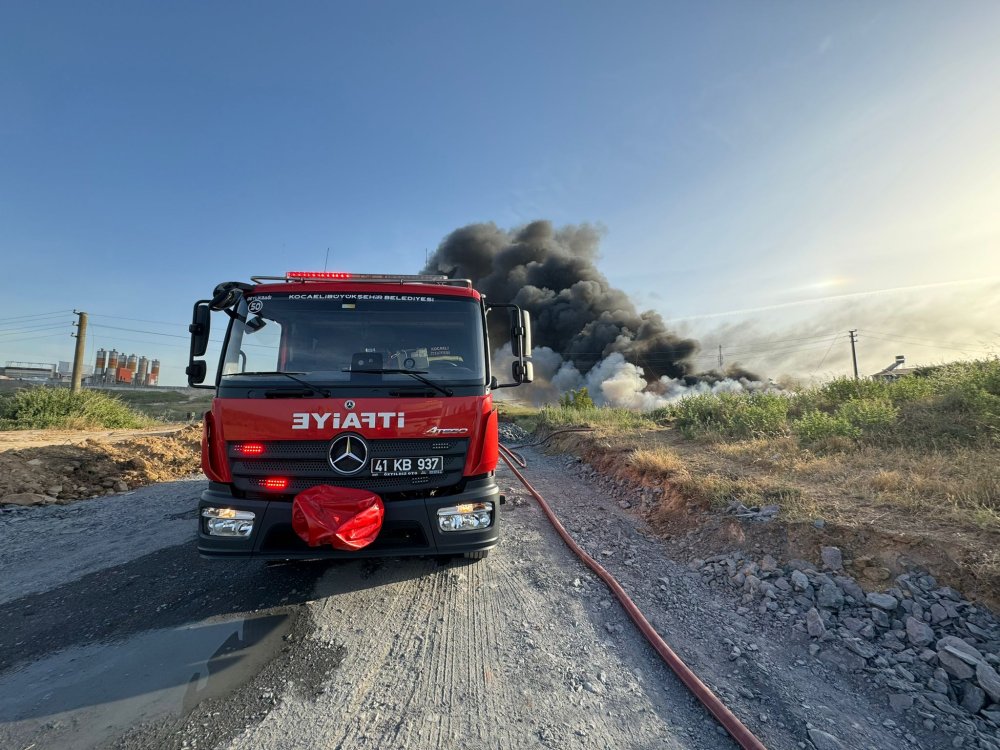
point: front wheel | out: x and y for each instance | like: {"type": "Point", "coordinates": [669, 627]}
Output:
{"type": "Point", "coordinates": [479, 555]}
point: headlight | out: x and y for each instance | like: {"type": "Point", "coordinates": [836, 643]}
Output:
{"type": "Point", "coordinates": [465, 517]}
{"type": "Point", "coordinates": [228, 521]}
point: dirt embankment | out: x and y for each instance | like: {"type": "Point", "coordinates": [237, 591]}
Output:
{"type": "Point", "coordinates": [879, 542]}
{"type": "Point", "coordinates": [39, 467]}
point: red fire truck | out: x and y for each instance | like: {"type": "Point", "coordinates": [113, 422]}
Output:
{"type": "Point", "coordinates": [353, 416]}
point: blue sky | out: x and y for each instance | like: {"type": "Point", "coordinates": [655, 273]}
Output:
{"type": "Point", "coordinates": [738, 155]}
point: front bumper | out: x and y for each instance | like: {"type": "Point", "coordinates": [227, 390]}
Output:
{"type": "Point", "coordinates": [409, 528]}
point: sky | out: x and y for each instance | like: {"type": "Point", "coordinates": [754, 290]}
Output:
{"type": "Point", "coordinates": [767, 175]}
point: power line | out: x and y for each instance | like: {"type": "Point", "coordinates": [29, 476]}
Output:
{"type": "Point", "coordinates": [170, 335]}
{"type": "Point", "coordinates": [912, 340]}
{"type": "Point", "coordinates": [46, 327]}
{"type": "Point", "coordinates": [31, 338]}
{"type": "Point", "coordinates": [6, 324]}
{"type": "Point", "coordinates": [778, 349]}
{"type": "Point", "coordinates": [142, 320]}
{"type": "Point", "coordinates": [788, 352]}
{"type": "Point", "coordinates": [969, 350]}
{"type": "Point", "coordinates": [38, 315]}
{"type": "Point", "coordinates": [149, 342]}
{"type": "Point", "coordinates": [830, 349]}
{"type": "Point", "coordinates": [823, 336]}
{"type": "Point", "coordinates": [137, 330]}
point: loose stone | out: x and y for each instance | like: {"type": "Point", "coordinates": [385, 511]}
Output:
{"type": "Point", "coordinates": [832, 558]}
{"type": "Point", "coordinates": [885, 602]}
{"type": "Point", "coordinates": [814, 623]}
{"type": "Point", "coordinates": [918, 632]}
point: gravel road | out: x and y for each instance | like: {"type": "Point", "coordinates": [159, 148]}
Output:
{"type": "Point", "coordinates": [115, 638]}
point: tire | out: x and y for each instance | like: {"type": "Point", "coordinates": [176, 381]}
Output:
{"type": "Point", "coordinates": [479, 555]}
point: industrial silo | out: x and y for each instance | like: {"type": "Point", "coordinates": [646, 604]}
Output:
{"type": "Point", "coordinates": [154, 371]}
{"type": "Point", "coordinates": [111, 374]}
{"type": "Point", "coordinates": [140, 376]}
{"type": "Point", "coordinates": [102, 362]}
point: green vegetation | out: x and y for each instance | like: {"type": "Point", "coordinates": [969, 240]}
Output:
{"type": "Point", "coordinates": [59, 408]}
{"type": "Point", "coordinates": [734, 415]}
{"type": "Point", "coordinates": [577, 400]}
{"type": "Point", "coordinates": [955, 404]}
{"type": "Point", "coordinates": [951, 405]}
{"type": "Point", "coordinates": [167, 405]}
{"type": "Point", "coordinates": [911, 459]}
{"type": "Point", "coordinates": [595, 416]}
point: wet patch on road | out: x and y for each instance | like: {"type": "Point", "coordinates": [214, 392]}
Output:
{"type": "Point", "coordinates": [150, 646]}
{"type": "Point", "coordinates": [170, 588]}
{"type": "Point", "coordinates": [85, 696]}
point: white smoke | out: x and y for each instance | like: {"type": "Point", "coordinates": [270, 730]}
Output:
{"type": "Point", "coordinates": [611, 382]}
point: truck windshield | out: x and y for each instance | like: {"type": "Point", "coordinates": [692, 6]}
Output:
{"type": "Point", "coordinates": [336, 337]}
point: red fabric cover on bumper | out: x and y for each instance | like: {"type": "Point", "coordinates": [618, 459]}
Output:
{"type": "Point", "coordinates": [344, 517]}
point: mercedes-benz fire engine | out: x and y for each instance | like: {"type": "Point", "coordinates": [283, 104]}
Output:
{"type": "Point", "coordinates": [353, 416]}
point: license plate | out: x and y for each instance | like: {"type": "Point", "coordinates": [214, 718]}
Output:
{"type": "Point", "coordinates": [407, 467]}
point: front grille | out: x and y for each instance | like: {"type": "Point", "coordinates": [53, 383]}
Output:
{"type": "Point", "coordinates": [305, 464]}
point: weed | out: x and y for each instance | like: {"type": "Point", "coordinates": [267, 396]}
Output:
{"type": "Point", "coordinates": [577, 400]}
{"type": "Point", "coordinates": [735, 415]}
{"type": "Point", "coordinates": [60, 408]}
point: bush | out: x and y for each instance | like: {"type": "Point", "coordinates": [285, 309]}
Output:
{"type": "Point", "coordinates": [847, 389]}
{"type": "Point", "coordinates": [577, 400]}
{"type": "Point", "coordinates": [817, 426]}
{"type": "Point", "coordinates": [60, 408]}
{"type": "Point", "coordinates": [870, 417]}
{"type": "Point", "coordinates": [736, 415]}
{"type": "Point", "coordinates": [553, 417]}
{"type": "Point", "coordinates": [910, 389]}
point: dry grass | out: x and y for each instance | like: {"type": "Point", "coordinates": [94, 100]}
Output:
{"type": "Point", "coordinates": [660, 463]}
{"type": "Point", "coordinates": [935, 507]}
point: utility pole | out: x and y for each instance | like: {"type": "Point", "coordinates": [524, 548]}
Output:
{"type": "Point", "coordinates": [81, 344]}
{"type": "Point", "coordinates": [720, 355]}
{"type": "Point", "coordinates": [853, 333]}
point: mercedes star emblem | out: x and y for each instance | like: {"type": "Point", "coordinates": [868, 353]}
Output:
{"type": "Point", "coordinates": [348, 454]}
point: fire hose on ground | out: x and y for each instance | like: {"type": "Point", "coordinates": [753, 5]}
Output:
{"type": "Point", "coordinates": [737, 730]}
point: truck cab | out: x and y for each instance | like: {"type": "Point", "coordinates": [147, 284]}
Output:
{"type": "Point", "coordinates": [333, 389]}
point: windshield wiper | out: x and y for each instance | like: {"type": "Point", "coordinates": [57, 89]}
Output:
{"type": "Point", "coordinates": [319, 391]}
{"type": "Point", "coordinates": [417, 374]}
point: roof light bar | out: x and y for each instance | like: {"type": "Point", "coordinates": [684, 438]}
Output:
{"type": "Point", "coordinates": [363, 276]}
{"type": "Point", "coordinates": [304, 277]}
{"type": "Point", "coordinates": [318, 275]}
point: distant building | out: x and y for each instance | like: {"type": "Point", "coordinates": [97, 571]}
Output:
{"type": "Point", "coordinates": [895, 371]}
{"type": "Point", "coordinates": [30, 370]}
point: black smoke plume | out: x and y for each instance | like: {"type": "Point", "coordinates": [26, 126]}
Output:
{"type": "Point", "coordinates": [552, 273]}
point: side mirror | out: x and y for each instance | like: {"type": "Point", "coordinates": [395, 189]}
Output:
{"type": "Point", "coordinates": [228, 294]}
{"type": "Point", "coordinates": [516, 332]}
{"type": "Point", "coordinates": [522, 371]}
{"type": "Point", "coordinates": [196, 371]}
{"type": "Point", "coordinates": [201, 326]}
{"type": "Point", "coordinates": [526, 335]}
{"type": "Point", "coordinates": [520, 343]}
